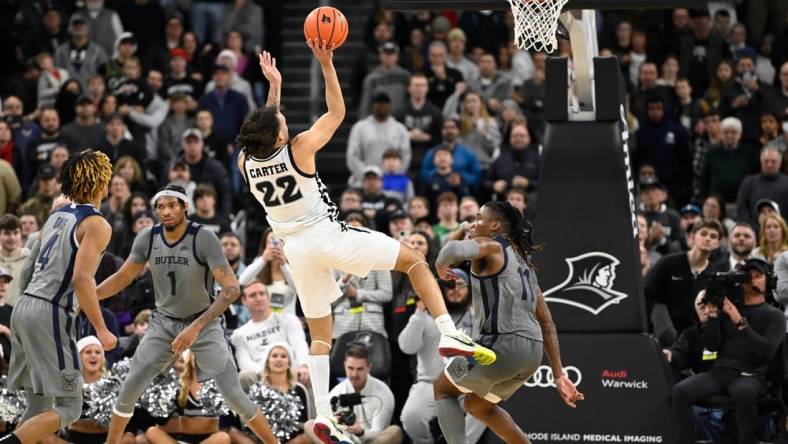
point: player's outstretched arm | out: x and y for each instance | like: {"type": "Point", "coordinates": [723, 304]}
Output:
{"type": "Point", "coordinates": [231, 289]}
{"type": "Point", "coordinates": [271, 73]}
{"type": "Point", "coordinates": [93, 234]}
{"type": "Point", "coordinates": [316, 137]}
{"type": "Point", "coordinates": [119, 280]}
{"type": "Point", "coordinates": [566, 389]}
{"type": "Point", "coordinates": [465, 250]}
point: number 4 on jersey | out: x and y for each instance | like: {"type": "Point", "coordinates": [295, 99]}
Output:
{"type": "Point", "coordinates": [43, 257]}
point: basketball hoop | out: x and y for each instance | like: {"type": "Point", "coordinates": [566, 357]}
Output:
{"type": "Point", "coordinates": [536, 23]}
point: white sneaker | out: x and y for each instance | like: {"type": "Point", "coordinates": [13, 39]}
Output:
{"type": "Point", "coordinates": [328, 431]}
{"type": "Point", "coordinates": [460, 344]}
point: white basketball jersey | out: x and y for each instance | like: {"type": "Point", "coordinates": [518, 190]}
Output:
{"type": "Point", "coordinates": [292, 198]}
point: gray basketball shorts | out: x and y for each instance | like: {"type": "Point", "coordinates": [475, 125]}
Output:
{"type": "Point", "coordinates": [45, 354]}
{"type": "Point", "coordinates": [211, 350]}
{"type": "Point", "coordinates": [517, 359]}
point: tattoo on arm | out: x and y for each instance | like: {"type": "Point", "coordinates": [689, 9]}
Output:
{"type": "Point", "coordinates": [227, 296]}
{"type": "Point", "coordinates": [273, 97]}
{"type": "Point", "coordinates": [549, 334]}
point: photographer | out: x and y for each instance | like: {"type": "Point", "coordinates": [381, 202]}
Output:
{"type": "Point", "coordinates": [745, 339]}
{"type": "Point", "coordinates": [368, 414]}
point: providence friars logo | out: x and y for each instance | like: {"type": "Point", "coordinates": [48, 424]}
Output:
{"type": "Point", "coordinates": [589, 284]}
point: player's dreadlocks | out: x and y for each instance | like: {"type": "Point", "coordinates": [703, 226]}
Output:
{"type": "Point", "coordinates": [519, 229]}
{"type": "Point", "coordinates": [84, 174]}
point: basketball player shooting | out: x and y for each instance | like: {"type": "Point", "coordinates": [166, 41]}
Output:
{"type": "Point", "coordinates": [282, 175]}
{"type": "Point", "coordinates": [61, 266]}
{"type": "Point", "coordinates": [512, 318]}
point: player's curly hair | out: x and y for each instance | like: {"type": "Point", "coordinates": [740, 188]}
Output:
{"type": "Point", "coordinates": [84, 174]}
{"type": "Point", "coordinates": [519, 229]}
{"type": "Point", "coordinates": [259, 132]}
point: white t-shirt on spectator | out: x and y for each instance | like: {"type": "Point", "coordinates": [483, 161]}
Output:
{"type": "Point", "coordinates": [252, 339]}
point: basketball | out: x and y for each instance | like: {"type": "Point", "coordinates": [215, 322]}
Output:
{"type": "Point", "coordinates": [327, 23]}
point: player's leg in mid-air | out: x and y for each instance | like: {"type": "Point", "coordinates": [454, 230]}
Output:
{"type": "Point", "coordinates": [359, 251]}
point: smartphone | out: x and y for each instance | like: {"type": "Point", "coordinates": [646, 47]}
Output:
{"type": "Point", "coordinates": [276, 242]}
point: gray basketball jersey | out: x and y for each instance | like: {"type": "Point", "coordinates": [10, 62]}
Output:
{"type": "Point", "coordinates": [181, 271]}
{"type": "Point", "coordinates": [54, 263]}
{"type": "Point", "coordinates": [505, 302]}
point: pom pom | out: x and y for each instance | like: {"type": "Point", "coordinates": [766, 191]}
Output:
{"type": "Point", "coordinates": [212, 401]}
{"type": "Point", "coordinates": [160, 398]}
{"type": "Point", "coordinates": [100, 396]}
{"type": "Point", "coordinates": [282, 410]}
{"type": "Point", "coordinates": [12, 403]}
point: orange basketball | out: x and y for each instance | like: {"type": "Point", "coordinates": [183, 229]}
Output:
{"type": "Point", "coordinates": [327, 23]}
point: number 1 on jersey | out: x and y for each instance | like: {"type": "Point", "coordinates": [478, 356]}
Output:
{"type": "Point", "coordinates": [171, 275]}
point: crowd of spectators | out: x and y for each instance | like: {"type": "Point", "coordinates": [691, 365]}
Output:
{"type": "Point", "coordinates": [449, 115]}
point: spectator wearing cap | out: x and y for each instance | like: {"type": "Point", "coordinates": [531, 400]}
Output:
{"type": "Point", "coordinates": [204, 169]}
{"type": "Point", "coordinates": [665, 232]}
{"type": "Point", "coordinates": [228, 107]}
{"type": "Point", "coordinates": [388, 77]}
{"type": "Point", "coordinates": [85, 131]}
{"type": "Point", "coordinates": [46, 38]}
{"type": "Point", "coordinates": [361, 306]}
{"type": "Point", "coordinates": [374, 135]}
{"type": "Point", "coordinates": [80, 56]}
{"type": "Point", "coordinates": [51, 79]}
{"type": "Point", "coordinates": [237, 83]}
{"type": "Point", "coordinates": [5, 315]}
{"type": "Point", "coordinates": [770, 183]}
{"type": "Point", "coordinates": [105, 25]}
{"type": "Point", "coordinates": [12, 256]}
{"type": "Point", "coordinates": [443, 79]}
{"type": "Point", "coordinates": [39, 149]}
{"type": "Point", "coordinates": [400, 225]}
{"type": "Point", "coordinates": [742, 241]}
{"type": "Point", "coordinates": [493, 86]}
{"type": "Point", "coordinates": [171, 130]}
{"type": "Point", "coordinates": [116, 145]}
{"type": "Point", "coordinates": [665, 144]}
{"type": "Point", "coordinates": [745, 336]}
{"type": "Point", "coordinates": [421, 117]}
{"type": "Point", "coordinates": [519, 163]}
{"type": "Point", "coordinates": [178, 79]}
{"type": "Point", "coordinates": [729, 163]}
{"type": "Point", "coordinates": [124, 48]}
{"type": "Point", "coordinates": [690, 215]}
{"type": "Point", "coordinates": [699, 51]}
{"type": "Point", "coordinates": [374, 201]}
{"type": "Point", "coordinates": [765, 207]}
{"type": "Point", "coordinates": [395, 183]}
{"type": "Point", "coordinates": [456, 56]}
{"type": "Point", "coordinates": [744, 99]}
{"type": "Point", "coordinates": [464, 161]}
{"type": "Point", "coordinates": [205, 210]}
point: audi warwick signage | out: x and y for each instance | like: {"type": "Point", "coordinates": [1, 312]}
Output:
{"type": "Point", "coordinates": [623, 378]}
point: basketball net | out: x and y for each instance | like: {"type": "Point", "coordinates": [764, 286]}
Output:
{"type": "Point", "coordinates": [536, 23]}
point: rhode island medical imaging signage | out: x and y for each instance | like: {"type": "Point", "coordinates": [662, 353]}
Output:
{"type": "Point", "coordinates": [627, 395]}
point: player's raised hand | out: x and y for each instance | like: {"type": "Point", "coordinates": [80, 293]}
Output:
{"type": "Point", "coordinates": [268, 66]}
{"type": "Point", "coordinates": [322, 50]}
{"type": "Point", "coordinates": [568, 391]}
{"type": "Point", "coordinates": [185, 339]}
{"type": "Point", "coordinates": [107, 339]}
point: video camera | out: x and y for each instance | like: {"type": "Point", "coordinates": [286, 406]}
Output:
{"type": "Point", "coordinates": [342, 406]}
{"type": "Point", "coordinates": [727, 284]}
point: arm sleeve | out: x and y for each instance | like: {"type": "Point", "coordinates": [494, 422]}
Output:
{"type": "Point", "coordinates": [251, 271]}
{"type": "Point", "coordinates": [457, 251]}
{"type": "Point", "coordinates": [210, 250]}
{"type": "Point", "coordinates": [139, 249]}
{"type": "Point", "coordinates": [296, 338]}
{"type": "Point", "coordinates": [411, 338]}
{"type": "Point", "coordinates": [781, 270]}
{"type": "Point", "coordinates": [380, 290]}
{"type": "Point", "coordinates": [242, 355]}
